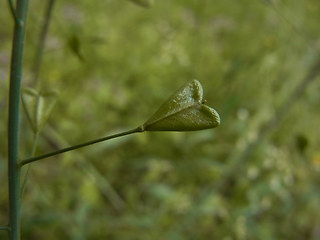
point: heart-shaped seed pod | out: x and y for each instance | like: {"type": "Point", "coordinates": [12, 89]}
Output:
{"type": "Point", "coordinates": [184, 111]}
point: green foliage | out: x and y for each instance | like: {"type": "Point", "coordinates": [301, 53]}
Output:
{"type": "Point", "coordinates": [248, 55]}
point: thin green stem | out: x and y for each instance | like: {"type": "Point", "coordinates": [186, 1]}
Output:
{"type": "Point", "coordinates": [14, 14]}
{"type": "Point", "coordinates": [36, 70]}
{"type": "Point", "coordinates": [33, 159]}
{"type": "Point", "coordinates": [42, 39]}
{"type": "Point", "coordinates": [13, 123]}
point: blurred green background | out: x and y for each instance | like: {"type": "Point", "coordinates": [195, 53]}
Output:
{"type": "Point", "coordinates": [254, 177]}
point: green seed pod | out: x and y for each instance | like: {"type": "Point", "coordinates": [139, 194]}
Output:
{"type": "Point", "coordinates": [184, 111]}
{"type": "Point", "coordinates": [38, 106]}
{"type": "Point", "coordinates": [143, 3]}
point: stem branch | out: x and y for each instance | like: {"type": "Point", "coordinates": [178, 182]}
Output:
{"type": "Point", "coordinates": [14, 14]}
{"type": "Point", "coordinates": [33, 159]}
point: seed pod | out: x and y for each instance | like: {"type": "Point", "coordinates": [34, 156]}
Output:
{"type": "Point", "coordinates": [184, 111]}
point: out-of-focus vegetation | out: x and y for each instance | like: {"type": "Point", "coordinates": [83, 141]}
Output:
{"type": "Point", "coordinates": [114, 63]}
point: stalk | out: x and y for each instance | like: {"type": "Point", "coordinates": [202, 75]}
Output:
{"type": "Point", "coordinates": [13, 124]}
{"type": "Point", "coordinates": [63, 150]}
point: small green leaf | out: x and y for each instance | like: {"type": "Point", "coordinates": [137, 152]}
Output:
{"type": "Point", "coordinates": [38, 106]}
{"type": "Point", "coordinates": [143, 3]}
{"type": "Point", "coordinates": [184, 111]}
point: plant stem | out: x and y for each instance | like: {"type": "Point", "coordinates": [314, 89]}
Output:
{"type": "Point", "coordinates": [42, 39]}
{"type": "Point", "coordinates": [33, 159]}
{"type": "Point", "coordinates": [13, 12]}
{"type": "Point", "coordinates": [13, 125]}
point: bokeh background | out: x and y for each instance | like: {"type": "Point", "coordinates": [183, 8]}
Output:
{"type": "Point", "coordinates": [113, 63]}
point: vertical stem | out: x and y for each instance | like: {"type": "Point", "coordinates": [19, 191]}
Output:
{"type": "Point", "coordinates": [13, 125]}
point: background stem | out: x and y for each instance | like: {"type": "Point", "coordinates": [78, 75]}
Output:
{"type": "Point", "coordinates": [42, 40]}
{"type": "Point", "coordinates": [13, 124]}
{"type": "Point", "coordinates": [36, 71]}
